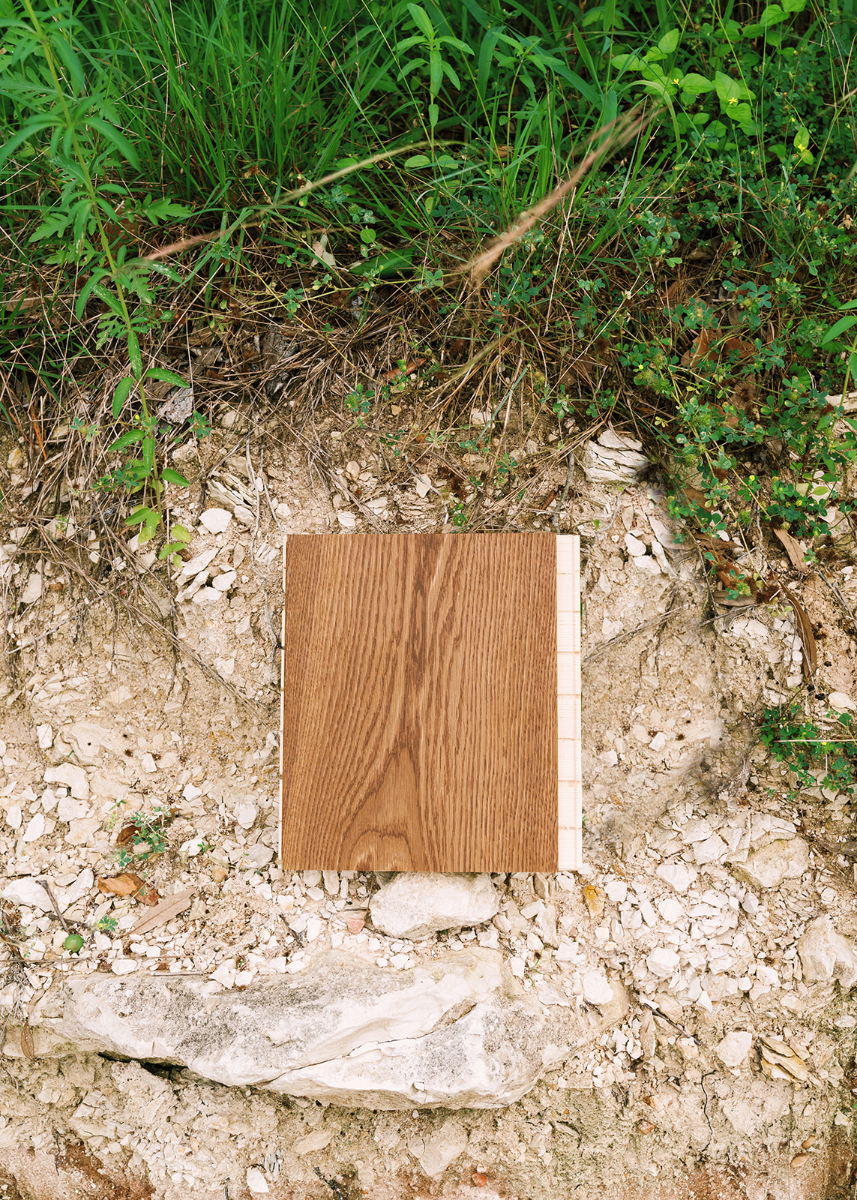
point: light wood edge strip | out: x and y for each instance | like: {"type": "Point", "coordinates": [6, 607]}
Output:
{"type": "Point", "coordinates": [569, 791]}
{"type": "Point", "coordinates": [282, 705]}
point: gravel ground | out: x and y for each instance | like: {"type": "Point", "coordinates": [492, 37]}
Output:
{"type": "Point", "coordinates": [730, 1067]}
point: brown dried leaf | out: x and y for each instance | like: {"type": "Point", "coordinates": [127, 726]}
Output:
{"type": "Point", "coordinates": [699, 350]}
{"type": "Point", "coordinates": [672, 293]}
{"type": "Point", "coordinates": [792, 548]}
{"type": "Point", "coordinates": [594, 899]}
{"type": "Point", "coordinates": [168, 908]}
{"type": "Point", "coordinates": [125, 834]}
{"type": "Point", "coordinates": [776, 1072]}
{"type": "Point", "coordinates": [735, 345]}
{"type": "Point", "coordinates": [778, 1054]}
{"type": "Point", "coordinates": [151, 898]}
{"type": "Point", "coordinates": [412, 364]}
{"type": "Point", "coordinates": [807, 637]}
{"type": "Point", "coordinates": [743, 395]}
{"type": "Point", "coordinates": [126, 884]}
{"type": "Point", "coordinates": [27, 1047]}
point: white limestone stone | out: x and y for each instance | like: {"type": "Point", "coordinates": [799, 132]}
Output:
{"type": "Point", "coordinates": [734, 1048]}
{"type": "Point", "coordinates": [35, 828]}
{"type": "Point", "coordinates": [826, 955]}
{"type": "Point", "coordinates": [416, 904]}
{"type": "Point", "coordinates": [456, 1032]}
{"type": "Point", "coordinates": [28, 893]}
{"type": "Point", "coordinates": [440, 1150]}
{"type": "Point", "coordinates": [662, 962]}
{"type": "Point", "coordinates": [677, 875]}
{"type": "Point", "coordinates": [255, 1179]}
{"type": "Point", "coordinates": [596, 987]}
{"type": "Point", "coordinates": [769, 866]}
{"type": "Point", "coordinates": [72, 776]}
{"type": "Point", "coordinates": [216, 520]}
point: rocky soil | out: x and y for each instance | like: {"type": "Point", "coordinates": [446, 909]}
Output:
{"type": "Point", "coordinates": [673, 1021]}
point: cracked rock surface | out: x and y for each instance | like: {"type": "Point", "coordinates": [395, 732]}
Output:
{"type": "Point", "coordinates": [458, 1031]}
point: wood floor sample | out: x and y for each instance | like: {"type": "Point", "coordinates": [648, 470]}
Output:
{"type": "Point", "coordinates": [420, 703]}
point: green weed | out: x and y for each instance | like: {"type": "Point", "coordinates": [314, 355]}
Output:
{"type": "Point", "coordinates": [804, 745]}
{"type": "Point", "coordinates": [698, 286]}
{"type": "Point", "coordinates": [142, 836]}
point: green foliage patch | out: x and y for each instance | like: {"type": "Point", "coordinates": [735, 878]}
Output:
{"type": "Point", "coordinates": [291, 161]}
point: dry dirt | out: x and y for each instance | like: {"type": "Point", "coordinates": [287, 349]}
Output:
{"type": "Point", "coordinates": [89, 684]}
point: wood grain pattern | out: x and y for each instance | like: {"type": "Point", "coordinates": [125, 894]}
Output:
{"type": "Point", "coordinates": [570, 783]}
{"type": "Point", "coordinates": [420, 703]}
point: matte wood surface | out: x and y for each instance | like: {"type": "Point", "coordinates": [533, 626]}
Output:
{"type": "Point", "coordinates": [420, 702]}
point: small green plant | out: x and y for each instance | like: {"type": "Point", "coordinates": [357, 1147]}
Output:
{"type": "Point", "coordinates": [359, 400]}
{"type": "Point", "coordinates": [433, 45]}
{"type": "Point", "coordinates": [458, 514]}
{"type": "Point", "coordinates": [804, 745]}
{"type": "Point", "coordinates": [142, 836]}
{"type": "Point", "coordinates": [200, 426]}
{"type": "Point", "coordinates": [88, 431]}
{"type": "Point", "coordinates": [172, 550]}
{"type": "Point", "coordinates": [108, 925]}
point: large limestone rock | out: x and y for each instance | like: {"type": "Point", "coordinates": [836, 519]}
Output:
{"type": "Point", "coordinates": [91, 740]}
{"type": "Point", "coordinates": [416, 904]}
{"type": "Point", "coordinates": [460, 1032]}
{"type": "Point", "coordinates": [826, 955]}
{"type": "Point", "coordinates": [768, 867]}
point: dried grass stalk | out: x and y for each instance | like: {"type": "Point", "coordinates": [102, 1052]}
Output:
{"type": "Point", "coordinates": [618, 134]}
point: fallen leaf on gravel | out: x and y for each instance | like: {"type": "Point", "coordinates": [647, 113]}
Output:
{"type": "Point", "coordinates": [168, 908]}
{"type": "Point", "coordinates": [807, 637]}
{"type": "Point", "coordinates": [27, 1047]}
{"type": "Point", "coordinates": [792, 549]}
{"type": "Point", "coordinates": [593, 897]}
{"type": "Point", "coordinates": [126, 884]}
{"type": "Point", "coordinates": [151, 897]}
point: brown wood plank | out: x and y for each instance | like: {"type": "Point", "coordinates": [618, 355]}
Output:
{"type": "Point", "coordinates": [568, 700]}
{"type": "Point", "coordinates": [420, 703]}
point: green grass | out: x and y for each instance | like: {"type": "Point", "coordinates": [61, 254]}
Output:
{"type": "Point", "coordinates": [694, 287]}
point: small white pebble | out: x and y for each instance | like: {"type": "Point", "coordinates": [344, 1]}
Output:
{"type": "Point", "coordinates": [215, 520]}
